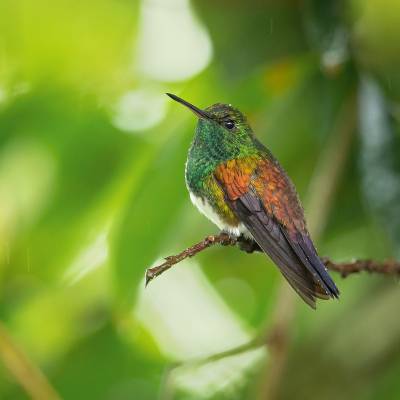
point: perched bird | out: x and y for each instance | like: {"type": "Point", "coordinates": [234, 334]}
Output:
{"type": "Point", "coordinates": [235, 181]}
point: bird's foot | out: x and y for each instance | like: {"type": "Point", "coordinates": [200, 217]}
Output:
{"type": "Point", "coordinates": [248, 245]}
{"type": "Point", "coordinates": [226, 239]}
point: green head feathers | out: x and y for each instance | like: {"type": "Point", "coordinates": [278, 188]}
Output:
{"type": "Point", "coordinates": [222, 132]}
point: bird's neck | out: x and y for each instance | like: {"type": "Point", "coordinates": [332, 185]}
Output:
{"type": "Point", "coordinates": [200, 165]}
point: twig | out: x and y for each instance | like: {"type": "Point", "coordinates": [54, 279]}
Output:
{"type": "Point", "coordinates": [223, 239]}
{"type": "Point", "coordinates": [168, 391]}
{"type": "Point", "coordinates": [28, 375]}
{"type": "Point", "coordinates": [254, 343]}
{"type": "Point", "coordinates": [386, 267]}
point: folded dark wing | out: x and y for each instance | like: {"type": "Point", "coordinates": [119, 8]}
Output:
{"type": "Point", "coordinates": [262, 197]}
{"type": "Point", "coordinates": [273, 240]}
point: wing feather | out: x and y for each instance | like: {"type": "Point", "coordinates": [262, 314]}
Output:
{"type": "Point", "coordinates": [266, 202]}
{"type": "Point", "coordinates": [270, 237]}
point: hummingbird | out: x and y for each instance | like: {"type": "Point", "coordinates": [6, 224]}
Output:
{"type": "Point", "coordinates": [236, 182]}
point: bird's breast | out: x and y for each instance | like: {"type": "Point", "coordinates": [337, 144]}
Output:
{"type": "Point", "coordinates": [207, 195]}
{"type": "Point", "coordinates": [204, 206]}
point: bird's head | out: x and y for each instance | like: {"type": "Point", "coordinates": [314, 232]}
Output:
{"type": "Point", "coordinates": [222, 129]}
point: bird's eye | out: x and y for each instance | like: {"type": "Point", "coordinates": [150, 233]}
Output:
{"type": "Point", "coordinates": [229, 124]}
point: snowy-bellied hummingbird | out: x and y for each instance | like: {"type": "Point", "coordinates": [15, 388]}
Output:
{"type": "Point", "coordinates": [236, 182]}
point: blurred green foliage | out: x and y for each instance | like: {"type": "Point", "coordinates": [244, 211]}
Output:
{"type": "Point", "coordinates": [92, 193]}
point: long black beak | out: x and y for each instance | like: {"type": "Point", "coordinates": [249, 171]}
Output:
{"type": "Point", "coordinates": [200, 113]}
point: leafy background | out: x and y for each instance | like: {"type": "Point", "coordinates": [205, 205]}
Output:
{"type": "Point", "coordinates": [92, 193]}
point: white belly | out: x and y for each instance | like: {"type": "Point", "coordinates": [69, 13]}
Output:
{"type": "Point", "coordinates": [204, 207]}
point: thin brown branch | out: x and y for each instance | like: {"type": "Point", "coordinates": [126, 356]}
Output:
{"type": "Point", "coordinates": [222, 238]}
{"type": "Point", "coordinates": [168, 389]}
{"type": "Point", "coordinates": [387, 267]}
{"type": "Point", "coordinates": [255, 343]}
{"type": "Point", "coordinates": [25, 372]}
